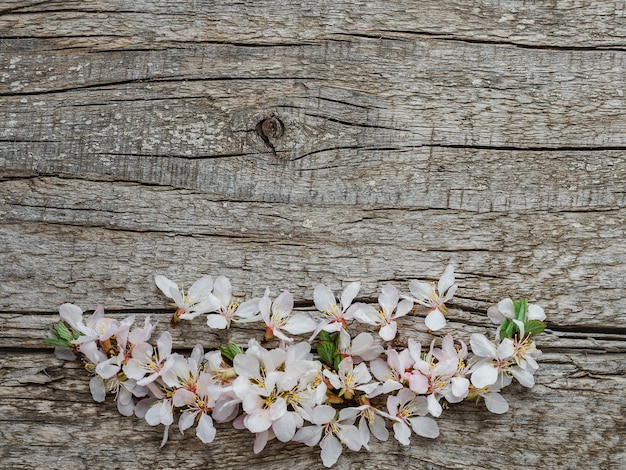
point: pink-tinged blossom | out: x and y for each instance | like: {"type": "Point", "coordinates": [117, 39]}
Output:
{"type": "Point", "coordinates": [331, 432]}
{"type": "Point", "coordinates": [335, 315]}
{"type": "Point", "coordinates": [409, 412]}
{"type": "Point", "coordinates": [391, 308]}
{"type": "Point", "coordinates": [393, 372]}
{"type": "Point", "coordinates": [350, 379]}
{"type": "Point", "coordinates": [197, 401]}
{"type": "Point", "coordinates": [495, 362]}
{"type": "Point", "coordinates": [278, 316]}
{"type": "Point", "coordinates": [372, 423]}
{"type": "Point", "coordinates": [146, 365]}
{"type": "Point", "coordinates": [226, 308]}
{"type": "Point", "coordinates": [362, 348]}
{"type": "Point", "coordinates": [437, 375]}
{"type": "Point", "coordinates": [190, 304]}
{"type": "Point", "coordinates": [434, 296]}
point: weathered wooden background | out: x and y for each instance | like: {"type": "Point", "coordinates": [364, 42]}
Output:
{"type": "Point", "coordinates": [285, 144]}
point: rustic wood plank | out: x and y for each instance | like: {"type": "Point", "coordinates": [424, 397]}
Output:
{"type": "Point", "coordinates": [585, 389]}
{"type": "Point", "coordinates": [286, 144]}
{"type": "Point", "coordinates": [102, 243]}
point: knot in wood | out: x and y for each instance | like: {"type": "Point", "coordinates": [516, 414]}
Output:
{"type": "Point", "coordinates": [272, 127]}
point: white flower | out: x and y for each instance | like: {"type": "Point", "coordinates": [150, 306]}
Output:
{"type": "Point", "coordinates": [393, 372]}
{"type": "Point", "coordinates": [371, 421]}
{"type": "Point", "coordinates": [228, 309]}
{"type": "Point", "coordinates": [496, 362]}
{"type": "Point", "coordinates": [330, 432]}
{"type": "Point", "coordinates": [190, 304]}
{"type": "Point", "coordinates": [434, 297]}
{"type": "Point", "coordinates": [335, 315]}
{"type": "Point", "coordinates": [362, 348]}
{"type": "Point", "coordinates": [278, 316]}
{"type": "Point", "coordinates": [146, 365]}
{"type": "Point", "coordinates": [408, 411]}
{"type": "Point", "coordinates": [385, 318]}
{"type": "Point", "coordinates": [350, 379]}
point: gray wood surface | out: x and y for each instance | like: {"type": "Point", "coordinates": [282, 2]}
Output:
{"type": "Point", "coordinates": [284, 144]}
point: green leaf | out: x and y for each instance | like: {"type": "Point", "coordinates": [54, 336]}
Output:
{"type": "Point", "coordinates": [534, 327]}
{"type": "Point", "coordinates": [230, 350]}
{"type": "Point", "coordinates": [325, 336]}
{"type": "Point", "coordinates": [521, 308]}
{"type": "Point", "coordinates": [326, 351]}
{"type": "Point", "coordinates": [63, 332]}
{"type": "Point", "coordinates": [337, 359]}
{"type": "Point", "coordinates": [508, 329]}
{"type": "Point", "coordinates": [56, 342]}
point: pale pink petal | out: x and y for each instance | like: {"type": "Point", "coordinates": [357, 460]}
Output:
{"type": "Point", "coordinates": [349, 293]}
{"type": "Point", "coordinates": [284, 303]}
{"type": "Point", "coordinates": [421, 290]}
{"type": "Point", "coordinates": [201, 287]}
{"type": "Point", "coordinates": [402, 433]}
{"type": "Point", "coordinates": [434, 408]}
{"type": "Point", "coordinates": [404, 307]}
{"type": "Point", "coordinates": [73, 315]}
{"type": "Point", "coordinates": [484, 376]}
{"type": "Point", "coordinates": [324, 298]}
{"type": "Point", "coordinates": [309, 435]}
{"type": "Point", "coordinates": [248, 309]}
{"type": "Point", "coordinates": [97, 389]}
{"type": "Point", "coordinates": [460, 387]}
{"type": "Point", "coordinates": [366, 313]}
{"type": "Point", "coordinates": [446, 280]}
{"type": "Point", "coordinates": [388, 298]}
{"type": "Point", "coordinates": [378, 428]}
{"type": "Point", "coordinates": [108, 368]}
{"type": "Point", "coordinates": [216, 321]}
{"type": "Point", "coordinates": [496, 403]}
{"type": "Point", "coordinates": [388, 332]}
{"type": "Point", "coordinates": [506, 308]}
{"type": "Point", "coordinates": [435, 320]}
{"type": "Point", "coordinates": [524, 377]}
{"type": "Point", "coordinates": [506, 349]}
{"type": "Point", "coordinates": [205, 429]}
{"type": "Point", "coordinates": [350, 436]}
{"type": "Point", "coordinates": [331, 450]}
{"type": "Point", "coordinates": [186, 420]}
{"type": "Point", "coordinates": [169, 288]}
{"type": "Point", "coordinates": [278, 408]}
{"type": "Point", "coordinates": [535, 312]}
{"type": "Point", "coordinates": [495, 315]}
{"type": "Point", "coordinates": [258, 421]}
{"type": "Point", "coordinates": [425, 427]}
{"type": "Point", "coordinates": [450, 293]}
{"type": "Point", "coordinates": [322, 414]}
{"type": "Point", "coordinates": [164, 345]}
{"type": "Point", "coordinates": [260, 440]}
{"type": "Point", "coordinates": [223, 290]}
{"type": "Point", "coordinates": [482, 347]}
{"type": "Point", "coordinates": [298, 324]}
{"type": "Point", "coordinates": [285, 427]}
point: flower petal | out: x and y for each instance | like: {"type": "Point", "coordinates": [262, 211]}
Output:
{"type": "Point", "coordinates": [484, 376]}
{"type": "Point", "coordinates": [331, 450]}
{"type": "Point", "coordinates": [349, 293]}
{"type": "Point", "coordinates": [435, 320]}
{"type": "Point", "coordinates": [201, 288]}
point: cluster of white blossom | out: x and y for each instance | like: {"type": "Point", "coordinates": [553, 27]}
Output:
{"type": "Point", "coordinates": [340, 394]}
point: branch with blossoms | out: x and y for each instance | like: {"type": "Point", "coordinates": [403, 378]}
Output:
{"type": "Point", "coordinates": [341, 393]}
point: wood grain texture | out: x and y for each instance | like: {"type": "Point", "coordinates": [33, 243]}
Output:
{"type": "Point", "coordinates": [285, 144]}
